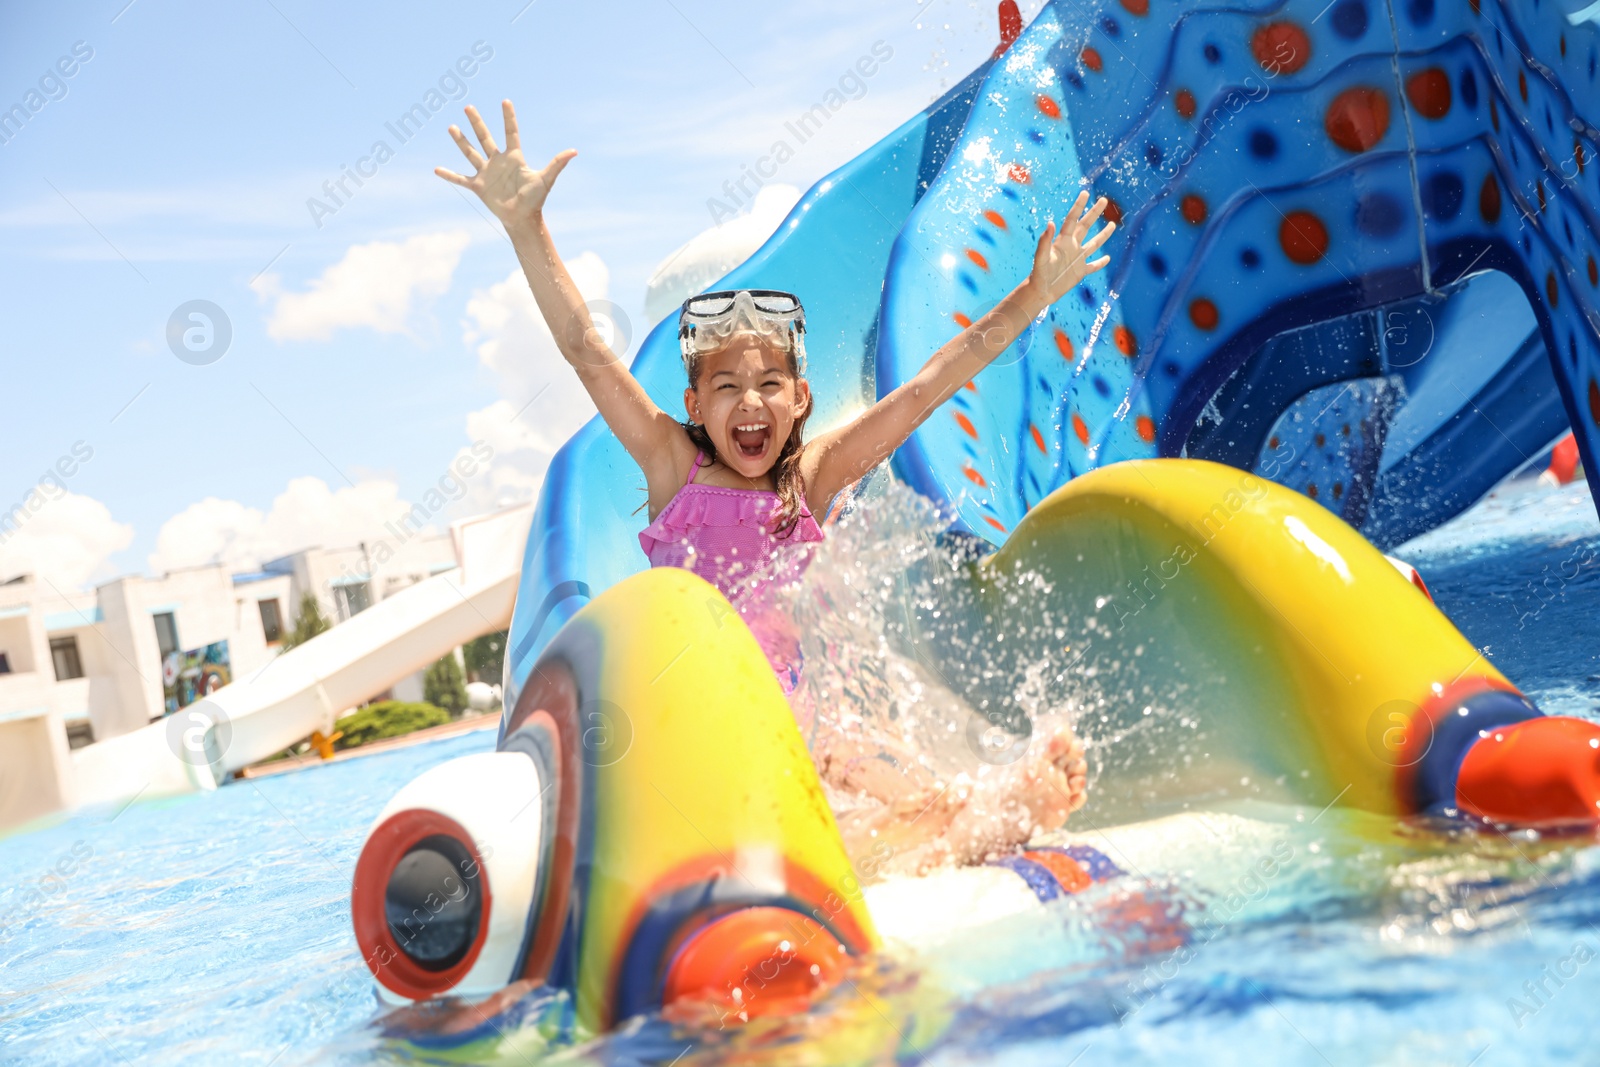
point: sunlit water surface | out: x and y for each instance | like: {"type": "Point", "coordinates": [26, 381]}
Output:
{"type": "Point", "coordinates": [215, 928]}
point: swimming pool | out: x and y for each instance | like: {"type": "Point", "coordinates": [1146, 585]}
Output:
{"type": "Point", "coordinates": [216, 927]}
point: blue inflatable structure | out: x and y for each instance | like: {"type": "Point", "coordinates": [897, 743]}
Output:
{"type": "Point", "coordinates": [1358, 254]}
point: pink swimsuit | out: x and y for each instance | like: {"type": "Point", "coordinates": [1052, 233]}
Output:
{"type": "Point", "coordinates": [723, 535]}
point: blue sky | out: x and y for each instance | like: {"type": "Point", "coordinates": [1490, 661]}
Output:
{"type": "Point", "coordinates": [372, 345]}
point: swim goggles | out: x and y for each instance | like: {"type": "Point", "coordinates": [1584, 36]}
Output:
{"type": "Point", "coordinates": [709, 319]}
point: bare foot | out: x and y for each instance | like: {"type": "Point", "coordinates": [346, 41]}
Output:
{"type": "Point", "coordinates": [1011, 804]}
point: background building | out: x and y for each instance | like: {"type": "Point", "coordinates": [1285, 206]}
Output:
{"type": "Point", "coordinates": [84, 667]}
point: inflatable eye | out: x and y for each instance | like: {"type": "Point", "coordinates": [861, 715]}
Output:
{"type": "Point", "coordinates": [446, 883]}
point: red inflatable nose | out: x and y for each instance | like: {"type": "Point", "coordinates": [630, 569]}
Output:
{"type": "Point", "coordinates": [756, 961]}
{"type": "Point", "coordinates": [1539, 772]}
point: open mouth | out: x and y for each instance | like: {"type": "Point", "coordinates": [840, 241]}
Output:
{"type": "Point", "coordinates": [751, 438]}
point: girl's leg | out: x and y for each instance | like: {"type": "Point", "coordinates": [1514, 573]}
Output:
{"type": "Point", "coordinates": [1009, 806]}
{"type": "Point", "coordinates": [904, 807]}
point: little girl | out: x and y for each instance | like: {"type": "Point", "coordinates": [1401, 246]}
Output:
{"type": "Point", "coordinates": [736, 486]}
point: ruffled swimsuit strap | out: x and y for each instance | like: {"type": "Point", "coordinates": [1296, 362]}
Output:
{"type": "Point", "coordinates": [694, 468]}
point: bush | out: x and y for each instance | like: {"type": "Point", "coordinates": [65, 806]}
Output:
{"type": "Point", "coordinates": [485, 657]}
{"type": "Point", "coordinates": [442, 685]}
{"type": "Point", "coordinates": [387, 718]}
{"type": "Point", "coordinates": [308, 623]}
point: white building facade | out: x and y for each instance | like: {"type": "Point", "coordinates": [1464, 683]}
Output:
{"type": "Point", "coordinates": [90, 666]}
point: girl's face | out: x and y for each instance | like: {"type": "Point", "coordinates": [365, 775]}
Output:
{"type": "Point", "coordinates": [748, 401]}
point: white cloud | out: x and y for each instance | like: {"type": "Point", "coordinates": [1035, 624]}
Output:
{"type": "Point", "coordinates": [67, 540]}
{"type": "Point", "coordinates": [542, 402]}
{"type": "Point", "coordinates": [306, 514]}
{"type": "Point", "coordinates": [712, 253]}
{"type": "Point", "coordinates": [375, 285]}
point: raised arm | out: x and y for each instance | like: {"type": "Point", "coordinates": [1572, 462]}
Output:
{"type": "Point", "coordinates": [837, 459]}
{"type": "Point", "coordinates": [516, 194]}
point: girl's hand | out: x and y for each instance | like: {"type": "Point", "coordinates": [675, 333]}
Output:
{"type": "Point", "coordinates": [1062, 263]}
{"type": "Point", "coordinates": [505, 183]}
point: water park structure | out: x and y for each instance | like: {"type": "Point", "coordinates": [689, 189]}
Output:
{"type": "Point", "coordinates": [1357, 289]}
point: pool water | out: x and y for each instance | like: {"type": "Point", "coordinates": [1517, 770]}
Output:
{"type": "Point", "coordinates": [215, 928]}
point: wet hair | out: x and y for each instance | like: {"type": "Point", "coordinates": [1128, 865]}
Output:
{"type": "Point", "coordinates": [786, 469]}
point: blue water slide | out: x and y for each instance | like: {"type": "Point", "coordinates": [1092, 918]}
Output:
{"type": "Point", "coordinates": [832, 248]}
{"type": "Point", "coordinates": [1397, 419]}
{"type": "Point", "coordinates": [1293, 179]}
{"type": "Point", "coordinates": [1299, 186]}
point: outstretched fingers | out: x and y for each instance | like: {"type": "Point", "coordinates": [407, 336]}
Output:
{"type": "Point", "coordinates": [1077, 207]}
{"type": "Point", "coordinates": [1100, 239]}
{"type": "Point", "coordinates": [473, 155]}
{"type": "Point", "coordinates": [485, 138]}
{"type": "Point", "coordinates": [557, 165]}
{"type": "Point", "coordinates": [1092, 216]}
{"type": "Point", "coordinates": [1094, 243]}
{"type": "Point", "coordinates": [507, 112]}
{"type": "Point", "coordinates": [1045, 240]}
{"type": "Point", "coordinates": [1083, 220]}
{"type": "Point", "coordinates": [452, 177]}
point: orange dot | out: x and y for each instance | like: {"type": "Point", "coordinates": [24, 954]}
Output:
{"type": "Point", "coordinates": [966, 424]}
{"type": "Point", "coordinates": [1594, 272]}
{"type": "Point", "coordinates": [1122, 337]}
{"type": "Point", "coordinates": [1184, 102]}
{"type": "Point", "coordinates": [1203, 313]}
{"type": "Point", "coordinates": [1539, 187]}
{"type": "Point", "coordinates": [971, 387]}
{"type": "Point", "coordinates": [961, 320]}
{"type": "Point", "coordinates": [1066, 871]}
{"type": "Point", "coordinates": [1018, 173]}
{"type": "Point", "coordinates": [1304, 238]}
{"type": "Point", "coordinates": [1080, 428]}
{"type": "Point", "coordinates": [995, 523]}
{"type": "Point", "coordinates": [1429, 93]}
{"type": "Point", "coordinates": [1358, 118]}
{"type": "Point", "coordinates": [1145, 426]}
{"type": "Point", "coordinates": [974, 477]}
{"type": "Point", "coordinates": [1113, 212]}
{"type": "Point", "coordinates": [1063, 344]}
{"type": "Point", "coordinates": [1038, 438]}
{"type": "Point", "coordinates": [977, 257]}
{"type": "Point", "coordinates": [1311, 490]}
{"type": "Point", "coordinates": [1048, 106]}
{"type": "Point", "coordinates": [1141, 8]}
{"type": "Point", "coordinates": [1092, 60]}
{"type": "Point", "coordinates": [1551, 290]}
{"type": "Point", "coordinates": [996, 218]}
{"type": "Point", "coordinates": [1489, 200]}
{"type": "Point", "coordinates": [1578, 155]}
{"type": "Point", "coordinates": [1193, 209]}
{"type": "Point", "coordinates": [1281, 47]}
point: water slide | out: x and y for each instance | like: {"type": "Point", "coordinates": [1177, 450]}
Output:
{"type": "Point", "coordinates": [1391, 358]}
{"type": "Point", "coordinates": [1293, 178]}
{"type": "Point", "coordinates": [306, 688]}
{"type": "Point", "coordinates": [1293, 189]}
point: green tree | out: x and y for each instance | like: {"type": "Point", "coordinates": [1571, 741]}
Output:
{"type": "Point", "coordinates": [442, 685]}
{"type": "Point", "coordinates": [308, 622]}
{"type": "Point", "coordinates": [485, 657]}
